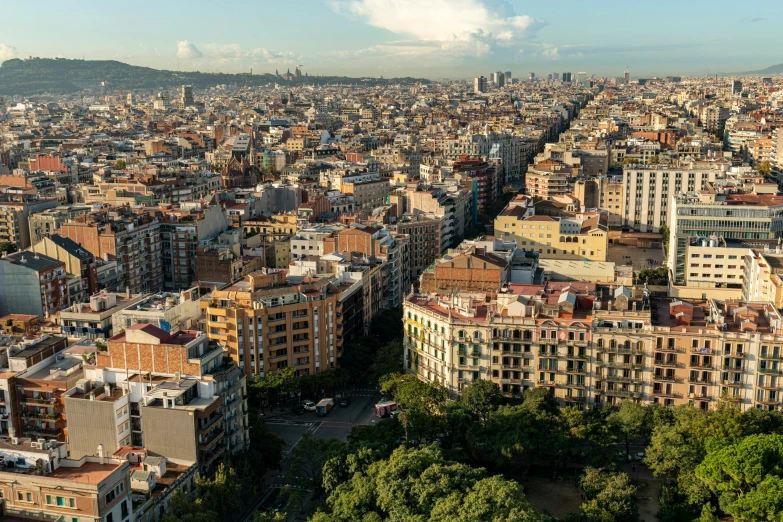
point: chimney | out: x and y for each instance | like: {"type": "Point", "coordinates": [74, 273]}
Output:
{"type": "Point", "coordinates": [99, 453]}
{"type": "Point", "coordinates": [127, 292]}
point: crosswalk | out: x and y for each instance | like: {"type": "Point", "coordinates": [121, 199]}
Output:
{"type": "Point", "coordinates": [364, 392]}
{"type": "Point", "coordinates": [327, 424]}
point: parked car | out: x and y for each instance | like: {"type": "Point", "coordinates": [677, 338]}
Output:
{"type": "Point", "coordinates": [639, 456]}
{"type": "Point", "coordinates": [297, 410]}
{"type": "Point", "coordinates": [345, 402]}
{"type": "Point", "coordinates": [308, 405]}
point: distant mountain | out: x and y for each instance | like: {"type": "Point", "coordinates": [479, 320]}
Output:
{"type": "Point", "coordinates": [60, 76]}
{"type": "Point", "coordinates": [774, 69]}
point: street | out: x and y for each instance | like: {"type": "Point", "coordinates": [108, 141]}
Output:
{"type": "Point", "coordinates": [338, 423]}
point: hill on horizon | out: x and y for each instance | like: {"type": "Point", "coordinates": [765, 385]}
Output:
{"type": "Point", "coordinates": [772, 69]}
{"type": "Point", "coordinates": [63, 76]}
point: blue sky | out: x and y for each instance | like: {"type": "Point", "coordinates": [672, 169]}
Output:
{"type": "Point", "coordinates": [428, 38]}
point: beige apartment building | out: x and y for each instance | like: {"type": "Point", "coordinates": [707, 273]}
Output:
{"type": "Point", "coordinates": [553, 237]}
{"type": "Point", "coordinates": [367, 193]}
{"type": "Point", "coordinates": [590, 351]}
{"type": "Point", "coordinates": [45, 485]}
{"type": "Point", "coordinates": [266, 323]}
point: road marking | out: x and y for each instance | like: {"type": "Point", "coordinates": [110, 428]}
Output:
{"type": "Point", "coordinates": [289, 422]}
{"type": "Point", "coordinates": [312, 429]}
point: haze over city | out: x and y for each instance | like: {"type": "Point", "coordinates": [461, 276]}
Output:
{"type": "Point", "coordinates": [437, 38]}
{"type": "Point", "coordinates": [391, 260]}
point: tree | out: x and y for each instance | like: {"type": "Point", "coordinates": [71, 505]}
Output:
{"type": "Point", "coordinates": [280, 382]}
{"type": "Point", "coordinates": [631, 420]}
{"type": "Point", "coordinates": [676, 449]}
{"type": "Point", "coordinates": [764, 168]}
{"type": "Point", "coordinates": [305, 463]}
{"type": "Point", "coordinates": [187, 508]}
{"type": "Point", "coordinates": [222, 492]}
{"type": "Point", "coordinates": [654, 276]}
{"type": "Point", "coordinates": [7, 247]}
{"type": "Point", "coordinates": [120, 164]}
{"type": "Point", "coordinates": [419, 484]}
{"type": "Point", "coordinates": [388, 360]}
{"type": "Point", "coordinates": [664, 230]}
{"type": "Point", "coordinates": [746, 476]}
{"type": "Point", "coordinates": [267, 516]}
{"type": "Point", "coordinates": [610, 496]}
{"type": "Point", "coordinates": [480, 397]}
{"type": "Point", "coordinates": [419, 403]}
{"type": "Point", "coordinates": [358, 356]}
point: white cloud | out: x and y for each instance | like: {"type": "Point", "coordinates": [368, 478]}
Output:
{"type": "Point", "coordinates": [225, 53]}
{"type": "Point", "coordinates": [188, 51]}
{"type": "Point", "coordinates": [444, 29]}
{"type": "Point", "coordinates": [441, 19]}
{"type": "Point", "coordinates": [6, 52]}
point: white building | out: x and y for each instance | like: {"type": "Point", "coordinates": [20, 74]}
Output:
{"type": "Point", "coordinates": [648, 189]}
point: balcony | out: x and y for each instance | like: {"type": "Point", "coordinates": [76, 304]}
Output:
{"type": "Point", "coordinates": [38, 400]}
{"type": "Point", "coordinates": [211, 422]}
{"type": "Point", "coordinates": [47, 432]}
{"type": "Point", "coordinates": [212, 457]}
{"type": "Point", "coordinates": [620, 378]}
{"type": "Point", "coordinates": [668, 363]}
{"type": "Point", "coordinates": [43, 416]}
{"type": "Point", "coordinates": [771, 371]}
{"type": "Point", "coordinates": [665, 378]}
{"type": "Point", "coordinates": [623, 393]}
{"type": "Point", "coordinates": [668, 349]}
{"type": "Point", "coordinates": [569, 398]}
{"type": "Point", "coordinates": [207, 442]}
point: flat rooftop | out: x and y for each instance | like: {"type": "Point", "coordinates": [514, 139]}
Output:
{"type": "Point", "coordinates": [87, 473]}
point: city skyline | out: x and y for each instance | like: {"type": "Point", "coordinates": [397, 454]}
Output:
{"type": "Point", "coordinates": [442, 38]}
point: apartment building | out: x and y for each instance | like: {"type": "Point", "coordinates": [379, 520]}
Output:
{"type": "Point", "coordinates": [589, 350]}
{"type": "Point", "coordinates": [267, 322]}
{"type": "Point", "coordinates": [581, 236]}
{"type": "Point", "coordinates": [46, 485]}
{"type": "Point", "coordinates": [182, 230]}
{"type": "Point", "coordinates": [503, 147]}
{"type": "Point", "coordinates": [716, 266]}
{"type": "Point", "coordinates": [648, 191]}
{"type": "Point", "coordinates": [94, 319]}
{"type": "Point", "coordinates": [732, 216]}
{"type": "Point", "coordinates": [32, 284]}
{"type": "Point", "coordinates": [176, 394]}
{"type": "Point", "coordinates": [425, 237]}
{"type": "Point", "coordinates": [310, 241]}
{"type": "Point", "coordinates": [47, 222]}
{"type": "Point", "coordinates": [131, 239]}
{"type": "Point", "coordinates": [379, 243]}
{"type": "Point", "coordinates": [762, 280]}
{"type": "Point", "coordinates": [367, 191]}
{"type": "Point", "coordinates": [15, 211]}
{"type": "Point", "coordinates": [457, 203]}
{"type": "Point", "coordinates": [19, 324]}
{"type": "Point", "coordinates": [45, 373]}
{"type": "Point", "coordinates": [548, 180]}
{"type": "Point", "coordinates": [78, 262]}
{"type": "Point", "coordinates": [488, 178]}
{"type": "Point", "coordinates": [274, 228]}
